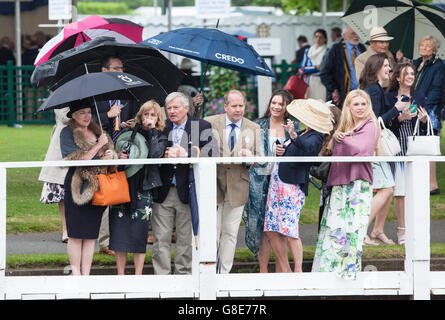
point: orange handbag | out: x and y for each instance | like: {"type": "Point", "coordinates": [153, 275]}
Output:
{"type": "Point", "coordinates": [113, 188]}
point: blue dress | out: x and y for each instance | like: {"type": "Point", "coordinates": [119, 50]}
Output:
{"type": "Point", "coordinates": [255, 208]}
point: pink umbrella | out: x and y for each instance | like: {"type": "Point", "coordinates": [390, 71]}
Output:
{"type": "Point", "coordinates": [75, 33]}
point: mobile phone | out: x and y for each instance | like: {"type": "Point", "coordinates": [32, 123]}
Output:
{"type": "Point", "coordinates": [405, 98]}
{"type": "Point", "coordinates": [413, 108]}
{"type": "Point", "coordinates": [277, 142]}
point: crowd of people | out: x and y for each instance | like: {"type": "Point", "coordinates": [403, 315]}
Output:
{"type": "Point", "coordinates": [362, 86]}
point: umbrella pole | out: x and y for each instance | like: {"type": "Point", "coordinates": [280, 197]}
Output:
{"type": "Point", "coordinates": [197, 110]}
{"type": "Point", "coordinates": [95, 105]}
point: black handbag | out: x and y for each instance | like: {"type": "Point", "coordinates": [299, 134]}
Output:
{"type": "Point", "coordinates": [321, 172]}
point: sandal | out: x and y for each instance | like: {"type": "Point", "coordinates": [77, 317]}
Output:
{"type": "Point", "coordinates": [401, 237]}
{"type": "Point", "coordinates": [381, 237]}
{"type": "Point", "coordinates": [370, 242]}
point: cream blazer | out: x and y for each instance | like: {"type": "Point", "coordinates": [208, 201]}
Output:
{"type": "Point", "coordinates": [55, 174]}
{"type": "Point", "coordinates": [233, 179]}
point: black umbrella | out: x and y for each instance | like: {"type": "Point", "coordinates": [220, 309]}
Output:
{"type": "Point", "coordinates": [99, 86]}
{"type": "Point", "coordinates": [193, 200]}
{"type": "Point", "coordinates": [140, 60]}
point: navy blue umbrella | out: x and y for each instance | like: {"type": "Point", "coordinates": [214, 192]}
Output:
{"type": "Point", "coordinates": [193, 201]}
{"type": "Point", "coordinates": [212, 46]}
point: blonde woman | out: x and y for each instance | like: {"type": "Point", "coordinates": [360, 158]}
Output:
{"type": "Point", "coordinates": [430, 71]}
{"type": "Point", "coordinates": [346, 216]}
{"type": "Point", "coordinates": [129, 222]}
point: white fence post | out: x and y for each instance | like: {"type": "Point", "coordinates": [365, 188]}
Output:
{"type": "Point", "coordinates": [2, 231]}
{"type": "Point", "coordinates": [417, 216]}
{"type": "Point", "coordinates": [205, 176]}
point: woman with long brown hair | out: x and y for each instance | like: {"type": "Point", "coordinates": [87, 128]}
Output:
{"type": "Point", "coordinates": [402, 86]}
{"type": "Point", "coordinates": [272, 125]}
{"type": "Point", "coordinates": [376, 72]}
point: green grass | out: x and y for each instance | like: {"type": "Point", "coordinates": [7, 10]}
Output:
{"type": "Point", "coordinates": [18, 261]}
{"type": "Point", "coordinates": [25, 213]}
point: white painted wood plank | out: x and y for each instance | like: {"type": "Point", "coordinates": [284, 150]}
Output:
{"type": "Point", "coordinates": [72, 296]}
{"type": "Point", "coordinates": [376, 292]}
{"type": "Point", "coordinates": [2, 231]}
{"type": "Point", "coordinates": [107, 296]}
{"type": "Point", "coordinates": [438, 291]}
{"type": "Point", "coordinates": [44, 296]}
{"type": "Point", "coordinates": [308, 281]}
{"type": "Point", "coordinates": [246, 293]}
{"type": "Point", "coordinates": [13, 296]}
{"type": "Point", "coordinates": [98, 284]}
{"type": "Point", "coordinates": [177, 294]}
{"type": "Point", "coordinates": [142, 295]}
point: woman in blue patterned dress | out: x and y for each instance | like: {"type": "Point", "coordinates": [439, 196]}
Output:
{"type": "Point", "coordinates": [289, 181]}
{"type": "Point", "coordinates": [272, 125]}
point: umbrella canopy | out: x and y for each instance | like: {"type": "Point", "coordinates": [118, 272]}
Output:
{"type": "Point", "coordinates": [212, 46]}
{"type": "Point", "coordinates": [73, 34]}
{"type": "Point", "coordinates": [140, 60]}
{"type": "Point", "coordinates": [405, 20]}
{"type": "Point", "coordinates": [100, 86]}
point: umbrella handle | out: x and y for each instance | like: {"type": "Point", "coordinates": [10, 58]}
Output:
{"type": "Point", "coordinates": [198, 152]}
{"type": "Point", "coordinates": [116, 124]}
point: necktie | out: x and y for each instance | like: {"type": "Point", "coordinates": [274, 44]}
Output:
{"type": "Point", "coordinates": [177, 136]}
{"type": "Point", "coordinates": [116, 124]}
{"type": "Point", "coordinates": [232, 136]}
{"type": "Point", "coordinates": [354, 55]}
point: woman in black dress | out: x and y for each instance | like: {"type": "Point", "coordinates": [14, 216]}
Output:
{"type": "Point", "coordinates": [129, 222]}
{"type": "Point", "coordinates": [82, 139]}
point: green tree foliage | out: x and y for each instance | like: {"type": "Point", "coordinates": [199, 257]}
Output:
{"type": "Point", "coordinates": [303, 6]}
{"type": "Point", "coordinates": [111, 8]}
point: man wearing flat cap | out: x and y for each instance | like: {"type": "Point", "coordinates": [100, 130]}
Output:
{"type": "Point", "coordinates": [378, 43]}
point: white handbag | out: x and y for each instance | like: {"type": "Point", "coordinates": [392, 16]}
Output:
{"type": "Point", "coordinates": [428, 145]}
{"type": "Point", "coordinates": [389, 144]}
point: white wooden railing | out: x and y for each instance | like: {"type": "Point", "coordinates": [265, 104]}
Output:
{"type": "Point", "coordinates": [204, 283]}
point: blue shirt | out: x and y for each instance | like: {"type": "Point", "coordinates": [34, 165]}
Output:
{"type": "Point", "coordinates": [349, 48]}
{"type": "Point", "coordinates": [175, 132]}
{"type": "Point", "coordinates": [229, 127]}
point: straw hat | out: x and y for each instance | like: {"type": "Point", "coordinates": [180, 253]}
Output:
{"type": "Point", "coordinates": [313, 113]}
{"type": "Point", "coordinates": [379, 34]}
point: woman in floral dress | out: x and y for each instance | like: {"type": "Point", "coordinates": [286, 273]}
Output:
{"type": "Point", "coordinates": [289, 181]}
{"type": "Point", "coordinates": [129, 222]}
{"type": "Point", "coordinates": [346, 216]}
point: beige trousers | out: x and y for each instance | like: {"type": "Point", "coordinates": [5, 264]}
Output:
{"type": "Point", "coordinates": [228, 222]}
{"type": "Point", "coordinates": [104, 231]}
{"type": "Point", "coordinates": [172, 213]}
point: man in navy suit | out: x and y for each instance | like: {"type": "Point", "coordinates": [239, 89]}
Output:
{"type": "Point", "coordinates": [171, 208]}
{"type": "Point", "coordinates": [120, 111]}
{"type": "Point", "coordinates": [114, 116]}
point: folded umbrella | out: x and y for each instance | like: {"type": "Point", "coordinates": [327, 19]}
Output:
{"type": "Point", "coordinates": [193, 200]}
{"type": "Point", "coordinates": [140, 60]}
{"type": "Point", "coordinates": [73, 34]}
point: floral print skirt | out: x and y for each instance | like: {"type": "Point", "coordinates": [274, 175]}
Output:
{"type": "Point", "coordinates": [52, 193]}
{"type": "Point", "coordinates": [283, 206]}
{"type": "Point", "coordinates": [343, 229]}
{"type": "Point", "coordinates": [129, 227]}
